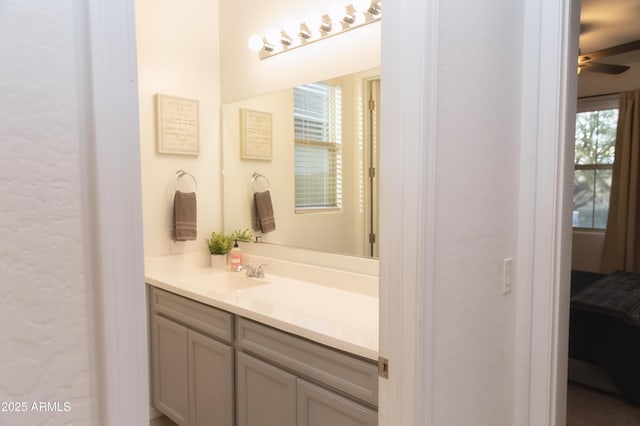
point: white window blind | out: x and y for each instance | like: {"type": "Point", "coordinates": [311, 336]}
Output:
{"type": "Point", "coordinates": [318, 137]}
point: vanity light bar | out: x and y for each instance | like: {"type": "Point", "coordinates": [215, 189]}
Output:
{"type": "Point", "coordinates": [337, 20]}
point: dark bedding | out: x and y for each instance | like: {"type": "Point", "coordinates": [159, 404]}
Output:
{"type": "Point", "coordinates": [605, 329]}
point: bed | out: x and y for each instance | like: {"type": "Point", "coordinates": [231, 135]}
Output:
{"type": "Point", "coordinates": [605, 327]}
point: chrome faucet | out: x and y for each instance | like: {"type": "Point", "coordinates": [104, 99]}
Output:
{"type": "Point", "coordinates": [251, 271]}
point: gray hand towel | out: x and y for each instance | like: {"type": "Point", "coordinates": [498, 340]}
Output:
{"type": "Point", "coordinates": [185, 216]}
{"type": "Point", "coordinates": [264, 211]}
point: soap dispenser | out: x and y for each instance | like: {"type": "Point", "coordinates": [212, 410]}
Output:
{"type": "Point", "coordinates": [236, 257]}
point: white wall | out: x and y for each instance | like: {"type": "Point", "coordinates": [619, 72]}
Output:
{"type": "Point", "coordinates": [586, 251]}
{"type": "Point", "coordinates": [476, 210]}
{"type": "Point", "coordinates": [46, 268]}
{"type": "Point", "coordinates": [178, 55]}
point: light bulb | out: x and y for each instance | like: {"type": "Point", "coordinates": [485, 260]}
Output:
{"type": "Point", "coordinates": [273, 36]}
{"type": "Point", "coordinates": [313, 21]}
{"type": "Point", "coordinates": [256, 43]}
{"type": "Point", "coordinates": [361, 5]}
{"type": "Point", "coordinates": [358, 19]}
{"type": "Point", "coordinates": [292, 28]}
{"type": "Point", "coordinates": [376, 8]}
{"type": "Point", "coordinates": [337, 12]}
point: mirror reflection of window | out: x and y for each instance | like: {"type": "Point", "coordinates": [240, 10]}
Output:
{"type": "Point", "coordinates": [318, 138]}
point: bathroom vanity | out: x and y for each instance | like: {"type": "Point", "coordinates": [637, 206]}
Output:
{"type": "Point", "coordinates": [230, 350]}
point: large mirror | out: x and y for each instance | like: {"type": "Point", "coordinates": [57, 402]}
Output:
{"type": "Point", "coordinates": [315, 149]}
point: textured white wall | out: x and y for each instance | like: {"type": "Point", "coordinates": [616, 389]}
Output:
{"type": "Point", "coordinates": [45, 332]}
{"type": "Point", "coordinates": [178, 55]}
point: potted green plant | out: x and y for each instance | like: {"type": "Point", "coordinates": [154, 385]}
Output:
{"type": "Point", "coordinates": [242, 235]}
{"type": "Point", "coordinates": [220, 244]}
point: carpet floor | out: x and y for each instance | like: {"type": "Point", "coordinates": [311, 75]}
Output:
{"type": "Point", "coordinates": [588, 407]}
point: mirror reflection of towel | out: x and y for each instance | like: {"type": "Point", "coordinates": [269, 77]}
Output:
{"type": "Point", "coordinates": [265, 220]}
{"type": "Point", "coordinates": [185, 216]}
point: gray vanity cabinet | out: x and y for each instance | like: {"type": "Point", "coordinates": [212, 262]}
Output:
{"type": "Point", "coordinates": [210, 381]}
{"type": "Point", "coordinates": [270, 396]}
{"type": "Point", "coordinates": [170, 369]}
{"type": "Point", "coordinates": [283, 380]}
{"type": "Point", "coordinates": [320, 407]}
{"type": "Point", "coordinates": [206, 372]}
{"type": "Point", "coordinates": [265, 395]}
{"type": "Point", "coordinates": [191, 361]}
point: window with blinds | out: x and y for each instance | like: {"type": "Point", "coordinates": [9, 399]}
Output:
{"type": "Point", "coordinates": [318, 137]}
{"type": "Point", "coordinates": [595, 145]}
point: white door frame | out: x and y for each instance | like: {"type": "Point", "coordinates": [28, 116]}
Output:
{"type": "Point", "coordinates": [546, 190]}
{"type": "Point", "coordinates": [371, 90]}
{"type": "Point", "coordinates": [121, 319]}
{"type": "Point", "coordinates": [407, 186]}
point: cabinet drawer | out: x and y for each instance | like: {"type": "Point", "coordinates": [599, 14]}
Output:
{"type": "Point", "coordinates": [345, 373]}
{"type": "Point", "coordinates": [198, 316]}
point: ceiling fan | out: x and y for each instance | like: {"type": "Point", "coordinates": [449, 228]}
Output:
{"type": "Point", "coordinates": [585, 62]}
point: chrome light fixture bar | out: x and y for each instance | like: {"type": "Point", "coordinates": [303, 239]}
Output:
{"type": "Point", "coordinates": [339, 19]}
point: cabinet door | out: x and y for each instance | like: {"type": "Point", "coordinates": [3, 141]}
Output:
{"type": "Point", "coordinates": [169, 369]}
{"type": "Point", "coordinates": [320, 407]}
{"type": "Point", "coordinates": [265, 395]}
{"type": "Point", "coordinates": [210, 381]}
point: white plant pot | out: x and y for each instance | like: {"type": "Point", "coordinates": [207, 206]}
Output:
{"type": "Point", "coordinates": [219, 261]}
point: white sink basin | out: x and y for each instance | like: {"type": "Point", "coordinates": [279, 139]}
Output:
{"type": "Point", "coordinates": [224, 283]}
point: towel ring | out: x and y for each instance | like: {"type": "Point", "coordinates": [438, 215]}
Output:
{"type": "Point", "coordinates": [256, 179]}
{"type": "Point", "coordinates": [181, 173]}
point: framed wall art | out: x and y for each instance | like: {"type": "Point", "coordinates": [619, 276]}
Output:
{"type": "Point", "coordinates": [177, 122]}
{"type": "Point", "coordinates": [256, 135]}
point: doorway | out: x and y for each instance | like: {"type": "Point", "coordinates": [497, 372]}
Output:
{"type": "Point", "coordinates": [604, 26]}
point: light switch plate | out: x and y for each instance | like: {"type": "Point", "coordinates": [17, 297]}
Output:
{"type": "Point", "coordinates": [507, 275]}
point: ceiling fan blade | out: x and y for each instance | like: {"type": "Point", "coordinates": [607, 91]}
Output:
{"type": "Point", "coordinates": [603, 68]}
{"type": "Point", "coordinates": [611, 51]}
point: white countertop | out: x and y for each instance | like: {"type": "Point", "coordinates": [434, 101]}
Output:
{"type": "Point", "coordinates": [341, 319]}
